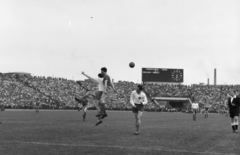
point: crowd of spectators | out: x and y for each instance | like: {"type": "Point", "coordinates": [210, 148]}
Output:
{"type": "Point", "coordinates": [21, 92]}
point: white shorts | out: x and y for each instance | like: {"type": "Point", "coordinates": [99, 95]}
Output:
{"type": "Point", "coordinates": [84, 108]}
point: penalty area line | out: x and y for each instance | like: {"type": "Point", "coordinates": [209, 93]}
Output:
{"type": "Point", "coordinates": [116, 147]}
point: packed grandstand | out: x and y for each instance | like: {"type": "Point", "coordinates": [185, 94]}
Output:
{"type": "Point", "coordinates": [60, 93]}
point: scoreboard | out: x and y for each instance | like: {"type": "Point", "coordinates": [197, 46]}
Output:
{"type": "Point", "coordinates": [162, 75]}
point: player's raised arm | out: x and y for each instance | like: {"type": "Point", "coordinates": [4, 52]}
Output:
{"type": "Point", "coordinates": [91, 78]}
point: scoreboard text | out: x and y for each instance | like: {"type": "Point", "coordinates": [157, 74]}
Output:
{"type": "Point", "coordinates": [162, 75]}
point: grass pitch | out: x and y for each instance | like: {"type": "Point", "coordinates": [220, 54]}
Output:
{"type": "Point", "coordinates": [63, 132]}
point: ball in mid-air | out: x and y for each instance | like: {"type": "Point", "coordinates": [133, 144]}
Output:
{"type": "Point", "coordinates": [131, 64]}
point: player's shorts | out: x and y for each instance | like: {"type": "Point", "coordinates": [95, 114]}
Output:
{"type": "Point", "coordinates": [106, 96]}
{"type": "Point", "coordinates": [194, 111]}
{"type": "Point", "coordinates": [98, 95]}
{"type": "Point", "coordinates": [84, 108]}
{"type": "Point", "coordinates": [84, 102]}
{"type": "Point", "coordinates": [139, 107]}
{"type": "Point", "coordinates": [234, 113]}
{"type": "Point", "coordinates": [206, 108]}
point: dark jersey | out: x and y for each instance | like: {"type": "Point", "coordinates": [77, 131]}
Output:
{"type": "Point", "coordinates": [37, 103]}
{"type": "Point", "coordinates": [84, 102]}
{"type": "Point", "coordinates": [234, 108]}
{"type": "Point", "coordinates": [109, 82]}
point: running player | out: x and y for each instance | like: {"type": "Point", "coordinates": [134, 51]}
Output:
{"type": "Point", "coordinates": [195, 109]}
{"type": "Point", "coordinates": [233, 104]}
{"type": "Point", "coordinates": [37, 105]}
{"type": "Point", "coordinates": [138, 99]}
{"type": "Point", "coordinates": [84, 103]}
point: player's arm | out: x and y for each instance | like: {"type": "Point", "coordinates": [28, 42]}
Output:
{"type": "Point", "coordinates": [144, 99]}
{"type": "Point", "coordinates": [113, 86]}
{"type": "Point", "coordinates": [237, 101]}
{"type": "Point", "coordinates": [154, 101]}
{"type": "Point", "coordinates": [91, 78]}
{"type": "Point", "coordinates": [105, 86]}
{"type": "Point", "coordinates": [131, 99]}
{"type": "Point", "coordinates": [84, 97]}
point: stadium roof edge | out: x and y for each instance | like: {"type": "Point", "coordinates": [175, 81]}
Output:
{"type": "Point", "coordinates": [21, 73]}
{"type": "Point", "coordinates": [173, 99]}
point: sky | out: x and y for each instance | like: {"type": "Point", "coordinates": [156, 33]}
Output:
{"type": "Point", "coordinates": [62, 38]}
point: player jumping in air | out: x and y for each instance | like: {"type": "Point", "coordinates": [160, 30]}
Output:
{"type": "Point", "coordinates": [233, 104]}
{"type": "Point", "coordinates": [138, 99]}
{"type": "Point", "coordinates": [107, 91]}
{"type": "Point", "coordinates": [98, 94]}
{"type": "Point", "coordinates": [195, 109]}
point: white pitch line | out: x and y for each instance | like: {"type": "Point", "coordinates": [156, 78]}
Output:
{"type": "Point", "coordinates": [117, 147]}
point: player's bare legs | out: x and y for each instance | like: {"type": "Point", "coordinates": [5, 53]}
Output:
{"type": "Point", "coordinates": [37, 109]}
{"type": "Point", "coordinates": [138, 121]}
{"type": "Point", "coordinates": [102, 113]}
{"type": "Point", "coordinates": [206, 113]}
{"type": "Point", "coordinates": [84, 112]}
{"type": "Point", "coordinates": [194, 115]}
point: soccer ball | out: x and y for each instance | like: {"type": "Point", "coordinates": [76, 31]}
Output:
{"type": "Point", "coordinates": [131, 64]}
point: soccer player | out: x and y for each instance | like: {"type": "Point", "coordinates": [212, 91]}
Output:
{"type": "Point", "coordinates": [84, 103]}
{"type": "Point", "coordinates": [233, 104]}
{"type": "Point", "coordinates": [37, 105]}
{"type": "Point", "coordinates": [195, 108]}
{"type": "Point", "coordinates": [98, 94]}
{"type": "Point", "coordinates": [206, 107]}
{"type": "Point", "coordinates": [138, 99]}
{"type": "Point", "coordinates": [108, 90]}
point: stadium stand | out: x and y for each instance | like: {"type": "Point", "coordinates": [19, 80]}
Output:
{"type": "Point", "coordinates": [59, 93]}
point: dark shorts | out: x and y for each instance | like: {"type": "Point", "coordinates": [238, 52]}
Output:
{"type": "Point", "coordinates": [206, 108]}
{"type": "Point", "coordinates": [195, 111]}
{"type": "Point", "coordinates": [98, 95]}
{"type": "Point", "coordinates": [234, 113]}
{"type": "Point", "coordinates": [84, 104]}
{"type": "Point", "coordinates": [139, 107]}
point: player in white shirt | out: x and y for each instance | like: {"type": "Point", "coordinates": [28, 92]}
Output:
{"type": "Point", "coordinates": [97, 95]}
{"type": "Point", "coordinates": [195, 109]}
{"type": "Point", "coordinates": [138, 99]}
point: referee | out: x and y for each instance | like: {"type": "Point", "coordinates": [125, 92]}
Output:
{"type": "Point", "coordinates": [233, 104]}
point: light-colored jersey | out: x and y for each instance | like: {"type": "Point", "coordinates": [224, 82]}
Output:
{"type": "Point", "coordinates": [100, 84]}
{"type": "Point", "coordinates": [195, 105]}
{"type": "Point", "coordinates": [136, 98]}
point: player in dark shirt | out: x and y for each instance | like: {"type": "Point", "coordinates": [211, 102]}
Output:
{"type": "Point", "coordinates": [84, 103]}
{"type": "Point", "coordinates": [108, 90]}
{"type": "Point", "coordinates": [206, 107]}
{"type": "Point", "coordinates": [233, 104]}
{"type": "Point", "coordinates": [37, 105]}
